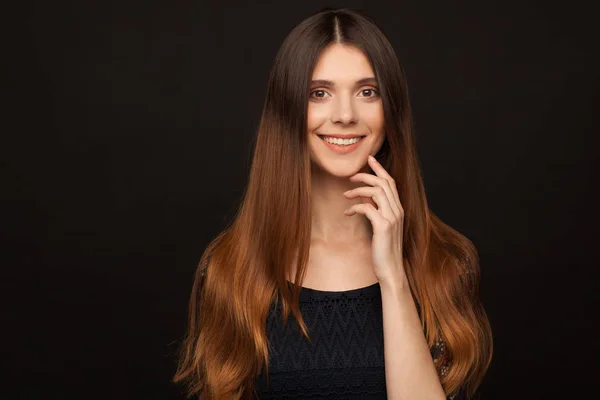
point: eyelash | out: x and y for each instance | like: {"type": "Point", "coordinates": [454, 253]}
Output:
{"type": "Point", "coordinates": [376, 91]}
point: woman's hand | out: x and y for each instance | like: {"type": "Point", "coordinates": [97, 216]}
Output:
{"type": "Point", "coordinates": [387, 221]}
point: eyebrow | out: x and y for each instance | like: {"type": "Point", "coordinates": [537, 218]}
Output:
{"type": "Point", "coordinates": [363, 81]}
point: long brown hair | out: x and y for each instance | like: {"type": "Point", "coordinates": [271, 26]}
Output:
{"type": "Point", "coordinates": [245, 268]}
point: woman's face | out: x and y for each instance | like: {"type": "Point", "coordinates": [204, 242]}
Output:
{"type": "Point", "coordinates": [345, 106]}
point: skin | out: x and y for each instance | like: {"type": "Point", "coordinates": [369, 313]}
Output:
{"type": "Point", "coordinates": [346, 108]}
{"type": "Point", "coordinates": [340, 252]}
{"type": "Point", "coordinates": [338, 259]}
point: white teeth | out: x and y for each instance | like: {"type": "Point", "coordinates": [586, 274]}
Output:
{"type": "Point", "coordinates": [343, 142]}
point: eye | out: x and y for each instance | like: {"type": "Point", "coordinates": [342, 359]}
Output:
{"type": "Point", "coordinates": [375, 93]}
{"type": "Point", "coordinates": [372, 90]}
{"type": "Point", "coordinates": [317, 91]}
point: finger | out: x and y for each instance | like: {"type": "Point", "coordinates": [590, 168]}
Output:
{"type": "Point", "coordinates": [379, 197]}
{"type": "Point", "coordinates": [377, 181]}
{"type": "Point", "coordinates": [379, 223]}
{"type": "Point", "coordinates": [380, 171]}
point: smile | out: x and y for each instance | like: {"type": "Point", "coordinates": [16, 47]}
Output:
{"type": "Point", "coordinates": [342, 146]}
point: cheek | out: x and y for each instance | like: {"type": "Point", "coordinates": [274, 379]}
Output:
{"type": "Point", "coordinates": [374, 118]}
{"type": "Point", "coordinates": [315, 117]}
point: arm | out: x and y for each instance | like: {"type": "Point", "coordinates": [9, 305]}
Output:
{"type": "Point", "coordinates": [409, 369]}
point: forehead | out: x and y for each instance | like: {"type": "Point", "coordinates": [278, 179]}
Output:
{"type": "Point", "coordinates": [342, 63]}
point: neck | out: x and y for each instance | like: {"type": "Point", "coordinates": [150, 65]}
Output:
{"type": "Point", "coordinates": [329, 223]}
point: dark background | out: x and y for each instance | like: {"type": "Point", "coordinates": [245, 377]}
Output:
{"type": "Point", "coordinates": [126, 144]}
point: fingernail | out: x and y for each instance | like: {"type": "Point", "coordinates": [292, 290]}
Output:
{"type": "Point", "coordinates": [371, 158]}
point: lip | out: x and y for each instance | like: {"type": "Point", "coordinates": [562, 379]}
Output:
{"type": "Point", "coordinates": [342, 136]}
{"type": "Point", "coordinates": [341, 149]}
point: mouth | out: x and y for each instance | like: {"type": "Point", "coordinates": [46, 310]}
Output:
{"type": "Point", "coordinates": [342, 146]}
{"type": "Point", "coordinates": [341, 141]}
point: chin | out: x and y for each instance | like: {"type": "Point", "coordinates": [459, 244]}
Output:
{"type": "Point", "coordinates": [341, 169]}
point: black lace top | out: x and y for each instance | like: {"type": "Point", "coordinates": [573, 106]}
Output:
{"type": "Point", "coordinates": [345, 359]}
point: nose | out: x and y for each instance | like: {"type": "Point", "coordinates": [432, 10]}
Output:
{"type": "Point", "coordinates": [343, 111]}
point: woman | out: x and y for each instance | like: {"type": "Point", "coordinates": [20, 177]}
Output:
{"type": "Point", "coordinates": [384, 295]}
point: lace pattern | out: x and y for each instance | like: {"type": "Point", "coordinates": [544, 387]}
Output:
{"type": "Point", "coordinates": [345, 359]}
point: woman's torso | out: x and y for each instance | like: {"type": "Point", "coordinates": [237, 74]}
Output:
{"type": "Point", "coordinates": [345, 359]}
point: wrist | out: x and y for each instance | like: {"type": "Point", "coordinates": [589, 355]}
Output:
{"type": "Point", "coordinates": [396, 284]}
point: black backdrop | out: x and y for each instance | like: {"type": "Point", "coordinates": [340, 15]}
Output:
{"type": "Point", "coordinates": [126, 144]}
